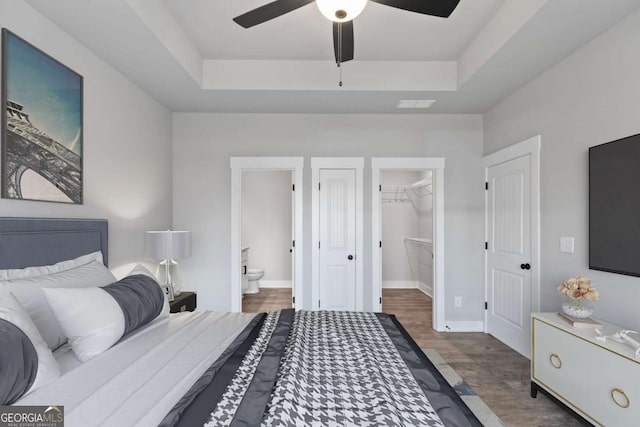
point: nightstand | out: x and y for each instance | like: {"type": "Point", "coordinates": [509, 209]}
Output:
{"type": "Point", "coordinates": [186, 301]}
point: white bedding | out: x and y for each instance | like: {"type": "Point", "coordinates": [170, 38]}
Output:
{"type": "Point", "coordinates": [66, 359]}
{"type": "Point", "coordinates": [138, 381]}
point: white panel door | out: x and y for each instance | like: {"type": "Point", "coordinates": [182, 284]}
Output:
{"type": "Point", "coordinates": [509, 253]}
{"type": "Point", "coordinates": [293, 242]}
{"type": "Point", "coordinates": [337, 239]}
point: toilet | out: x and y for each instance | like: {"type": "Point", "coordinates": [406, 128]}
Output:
{"type": "Point", "coordinates": [254, 275]}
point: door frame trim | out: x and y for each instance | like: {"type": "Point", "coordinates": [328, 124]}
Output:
{"type": "Point", "coordinates": [532, 148]}
{"type": "Point", "coordinates": [437, 165]}
{"type": "Point", "coordinates": [357, 164]}
{"type": "Point", "coordinates": [239, 165]}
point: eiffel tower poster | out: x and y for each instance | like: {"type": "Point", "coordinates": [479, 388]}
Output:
{"type": "Point", "coordinates": [42, 122]}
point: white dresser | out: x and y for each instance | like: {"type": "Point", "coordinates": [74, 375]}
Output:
{"type": "Point", "coordinates": [599, 381]}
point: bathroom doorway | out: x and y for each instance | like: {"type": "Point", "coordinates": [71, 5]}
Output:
{"type": "Point", "coordinates": [267, 240]}
{"type": "Point", "coordinates": [266, 233]}
{"type": "Point", "coordinates": [408, 234]}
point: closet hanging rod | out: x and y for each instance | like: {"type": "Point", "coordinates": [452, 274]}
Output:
{"type": "Point", "coordinates": [394, 194]}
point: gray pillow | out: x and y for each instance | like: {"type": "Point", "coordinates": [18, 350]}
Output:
{"type": "Point", "coordinates": [139, 297]}
{"type": "Point", "coordinates": [26, 363]}
{"type": "Point", "coordinates": [18, 363]}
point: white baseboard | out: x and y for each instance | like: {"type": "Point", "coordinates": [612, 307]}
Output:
{"type": "Point", "coordinates": [464, 326]}
{"type": "Point", "coordinates": [427, 289]}
{"type": "Point", "coordinates": [399, 284]}
{"type": "Point", "coordinates": [408, 284]}
{"type": "Point", "coordinates": [275, 283]}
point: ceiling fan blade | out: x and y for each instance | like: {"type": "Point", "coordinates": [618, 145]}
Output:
{"type": "Point", "coordinates": [441, 8]}
{"type": "Point", "coordinates": [269, 11]}
{"type": "Point", "coordinates": [343, 41]}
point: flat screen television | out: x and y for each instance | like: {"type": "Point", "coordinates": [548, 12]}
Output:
{"type": "Point", "coordinates": [614, 206]}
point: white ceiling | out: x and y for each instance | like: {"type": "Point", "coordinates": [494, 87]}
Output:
{"type": "Point", "coordinates": [190, 56]}
{"type": "Point", "coordinates": [381, 33]}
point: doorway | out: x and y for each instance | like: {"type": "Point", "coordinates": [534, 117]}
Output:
{"type": "Point", "coordinates": [266, 233]}
{"type": "Point", "coordinates": [406, 251]}
{"type": "Point", "coordinates": [408, 235]}
{"type": "Point", "coordinates": [267, 240]}
{"type": "Point", "coordinates": [512, 243]}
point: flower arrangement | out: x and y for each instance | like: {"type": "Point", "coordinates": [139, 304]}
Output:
{"type": "Point", "coordinates": [579, 288]}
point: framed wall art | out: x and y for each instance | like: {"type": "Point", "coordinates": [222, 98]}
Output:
{"type": "Point", "coordinates": [42, 125]}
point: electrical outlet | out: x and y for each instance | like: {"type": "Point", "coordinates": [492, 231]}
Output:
{"type": "Point", "coordinates": [567, 245]}
{"type": "Point", "coordinates": [458, 302]}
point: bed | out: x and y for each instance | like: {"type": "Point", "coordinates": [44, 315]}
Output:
{"type": "Point", "coordinates": [204, 368]}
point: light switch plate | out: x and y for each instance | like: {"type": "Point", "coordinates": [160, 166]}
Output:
{"type": "Point", "coordinates": [567, 245]}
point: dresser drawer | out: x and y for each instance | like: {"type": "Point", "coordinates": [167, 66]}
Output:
{"type": "Point", "coordinates": [559, 364]}
{"type": "Point", "coordinates": [614, 394]}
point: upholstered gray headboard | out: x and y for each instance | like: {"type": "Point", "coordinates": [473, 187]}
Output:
{"type": "Point", "coordinates": [26, 242]}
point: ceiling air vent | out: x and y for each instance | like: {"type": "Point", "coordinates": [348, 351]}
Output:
{"type": "Point", "coordinates": [416, 103]}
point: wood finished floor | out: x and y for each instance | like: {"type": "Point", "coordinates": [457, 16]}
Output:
{"type": "Point", "coordinates": [267, 299]}
{"type": "Point", "coordinates": [498, 374]}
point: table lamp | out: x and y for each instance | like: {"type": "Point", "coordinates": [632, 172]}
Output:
{"type": "Point", "coordinates": [167, 247]}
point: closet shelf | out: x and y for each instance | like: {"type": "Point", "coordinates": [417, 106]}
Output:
{"type": "Point", "coordinates": [422, 188]}
{"type": "Point", "coordinates": [417, 243]}
{"type": "Point", "coordinates": [420, 253]}
{"type": "Point", "coordinates": [420, 240]}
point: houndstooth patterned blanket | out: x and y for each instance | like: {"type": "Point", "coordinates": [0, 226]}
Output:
{"type": "Point", "coordinates": [339, 368]}
{"type": "Point", "coordinates": [232, 398]}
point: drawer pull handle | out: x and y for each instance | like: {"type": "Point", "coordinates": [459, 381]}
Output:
{"type": "Point", "coordinates": [555, 361]}
{"type": "Point", "coordinates": [617, 391]}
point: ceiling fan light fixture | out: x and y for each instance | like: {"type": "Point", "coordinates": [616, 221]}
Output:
{"type": "Point", "coordinates": [341, 10]}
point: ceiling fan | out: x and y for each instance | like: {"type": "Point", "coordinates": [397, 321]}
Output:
{"type": "Point", "coordinates": [342, 13]}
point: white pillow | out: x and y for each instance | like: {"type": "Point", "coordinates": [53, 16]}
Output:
{"type": "Point", "coordinates": [90, 317]}
{"type": "Point", "coordinates": [43, 270]}
{"type": "Point", "coordinates": [27, 284]}
{"type": "Point", "coordinates": [48, 369]}
{"type": "Point", "coordinates": [93, 319]}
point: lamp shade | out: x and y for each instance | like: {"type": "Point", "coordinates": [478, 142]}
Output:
{"type": "Point", "coordinates": [341, 10]}
{"type": "Point", "coordinates": [161, 245]}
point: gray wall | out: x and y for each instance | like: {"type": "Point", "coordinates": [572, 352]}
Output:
{"type": "Point", "coordinates": [590, 98]}
{"type": "Point", "coordinates": [266, 222]}
{"type": "Point", "coordinates": [127, 145]}
{"type": "Point", "coordinates": [203, 144]}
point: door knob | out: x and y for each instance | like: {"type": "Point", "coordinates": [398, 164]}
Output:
{"type": "Point", "coordinates": [525, 266]}
{"type": "Point", "coordinates": [350, 257]}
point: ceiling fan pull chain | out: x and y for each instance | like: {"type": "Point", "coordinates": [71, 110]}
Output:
{"type": "Point", "coordinates": [340, 53]}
